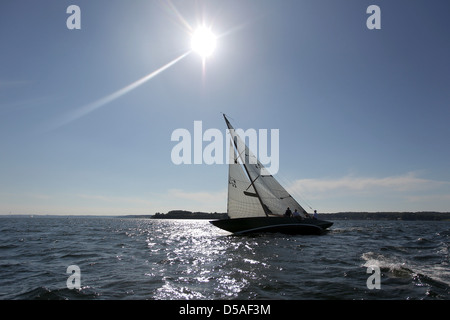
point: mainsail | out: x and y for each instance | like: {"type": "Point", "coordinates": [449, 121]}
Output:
{"type": "Point", "coordinates": [255, 193]}
{"type": "Point", "coordinates": [242, 199]}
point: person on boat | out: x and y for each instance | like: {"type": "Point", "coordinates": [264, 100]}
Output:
{"type": "Point", "coordinates": [315, 214]}
{"type": "Point", "coordinates": [288, 213]}
{"type": "Point", "coordinates": [296, 213]}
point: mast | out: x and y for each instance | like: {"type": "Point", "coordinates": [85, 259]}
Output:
{"type": "Point", "coordinates": [230, 127]}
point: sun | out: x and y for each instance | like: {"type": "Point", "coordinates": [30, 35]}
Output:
{"type": "Point", "coordinates": [203, 42]}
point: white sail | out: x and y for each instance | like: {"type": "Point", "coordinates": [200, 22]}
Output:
{"type": "Point", "coordinates": [272, 197]}
{"type": "Point", "coordinates": [242, 199]}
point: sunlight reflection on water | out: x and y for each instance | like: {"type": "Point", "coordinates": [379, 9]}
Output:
{"type": "Point", "coordinates": [191, 259]}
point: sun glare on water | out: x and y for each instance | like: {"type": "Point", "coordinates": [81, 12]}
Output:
{"type": "Point", "coordinates": [203, 42]}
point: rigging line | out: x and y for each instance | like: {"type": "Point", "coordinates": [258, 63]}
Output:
{"type": "Point", "coordinates": [294, 191]}
{"type": "Point", "coordinates": [252, 182]}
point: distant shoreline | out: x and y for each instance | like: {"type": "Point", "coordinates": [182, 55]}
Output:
{"type": "Point", "coordinates": [184, 214]}
{"type": "Point", "coordinates": [424, 216]}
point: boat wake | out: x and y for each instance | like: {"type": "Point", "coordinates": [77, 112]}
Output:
{"type": "Point", "coordinates": [392, 264]}
{"type": "Point", "coordinates": [395, 267]}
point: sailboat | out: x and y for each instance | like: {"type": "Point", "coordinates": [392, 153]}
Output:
{"type": "Point", "coordinates": [256, 200]}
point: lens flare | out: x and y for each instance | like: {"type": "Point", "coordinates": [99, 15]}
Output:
{"type": "Point", "coordinates": [84, 110]}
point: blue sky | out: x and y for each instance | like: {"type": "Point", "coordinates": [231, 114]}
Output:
{"type": "Point", "coordinates": [363, 115]}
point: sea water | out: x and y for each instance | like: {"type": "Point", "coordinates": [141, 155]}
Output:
{"type": "Point", "coordinates": [124, 258]}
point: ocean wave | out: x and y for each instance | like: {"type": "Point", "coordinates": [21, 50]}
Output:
{"type": "Point", "coordinates": [399, 267]}
{"type": "Point", "coordinates": [148, 259]}
{"type": "Point", "coordinates": [386, 264]}
{"type": "Point", "coordinates": [44, 293]}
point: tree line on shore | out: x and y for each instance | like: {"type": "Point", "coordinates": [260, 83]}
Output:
{"type": "Point", "coordinates": [423, 215]}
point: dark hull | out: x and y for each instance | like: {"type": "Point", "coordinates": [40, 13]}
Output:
{"type": "Point", "coordinates": [273, 224]}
